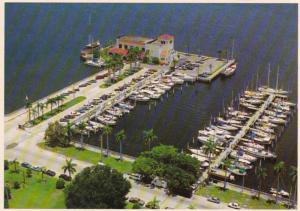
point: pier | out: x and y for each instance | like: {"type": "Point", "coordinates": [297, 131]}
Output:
{"type": "Point", "coordinates": [118, 98]}
{"type": "Point", "coordinates": [216, 163]}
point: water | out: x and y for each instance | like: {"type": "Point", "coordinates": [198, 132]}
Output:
{"type": "Point", "coordinates": [42, 44]}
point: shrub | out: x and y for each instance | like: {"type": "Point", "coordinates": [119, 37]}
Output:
{"type": "Point", "coordinates": [6, 165]}
{"type": "Point", "coordinates": [7, 192]}
{"type": "Point", "coordinates": [155, 60]}
{"type": "Point", "coordinates": [60, 183]}
{"type": "Point", "coordinates": [16, 185]}
{"type": "Point", "coordinates": [145, 60]}
{"type": "Point", "coordinates": [136, 206]}
{"type": "Point", "coordinates": [29, 173]}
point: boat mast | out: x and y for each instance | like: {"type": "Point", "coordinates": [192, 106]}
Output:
{"type": "Point", "coordinates": [256, 81]}
{"type": "Point", "coordinates": [232, 48]}
{"type": "Point", "coordinates": [269, 75]}
{"type": "Point", "coordinates": [277, 78]}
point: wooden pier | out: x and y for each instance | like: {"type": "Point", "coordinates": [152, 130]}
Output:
{"type": "Point", "coordinates": [216, 163]}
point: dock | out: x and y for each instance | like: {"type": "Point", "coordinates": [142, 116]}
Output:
{"type": "Point", "coordinates": [211, 77]}
{"type": "Point", "coordinates": [216, 163]}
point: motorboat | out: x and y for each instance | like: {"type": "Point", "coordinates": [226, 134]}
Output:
{"type": "Point", "coordinates": [274, 120]}
{"type": "Point", "coordinates": [237, 171]}
{"type": "Point", "coordinates": [253, 145]}
{"type": "Point", "coordinates": [258, 153]}
{"type": "Point", "coordinates": [227, 127]}
{"type": "Point", "coordinates": [272, 91]}
{"type": "Point", "coordinates": [244, 156]}
{"type": "Point", "coordinates": [249, 106]}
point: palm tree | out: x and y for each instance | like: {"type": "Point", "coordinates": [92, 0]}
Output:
{"type": "Point", "coordinates": [69, 133]}
{"type": "Point", "coordinates": [209, 149]}
{"type": "Point", "coordinates": [28, 105]}
{"type": "Point", "coordinates": [261, 174]}
{"type": "Point", "coordinates": [226, 165]}
{"type": "Point", "coordinates": [15, 162]}
{"type": "Point", "coordinates": [133, 55]}
{"type": "Point", "coordinates": [278, 168]}
{"type": "Point", "coordinates": [117, 63]}
{"type": "Point", "coordinates": [293, 175]}
{"type": "Point", "coordinates": [107, 131]}
{"type": "Point", "coordinates": [121, 136]}
{"type": "Point", "coordinates": [109, 65]}
{"type": "Point", "coordinates": [70, 167]}
{"type": "Point", "coordinates": [50, 102]}
{"type": "Point", "coordinates": [81, 126]}
{"type": "Point", "coordinates": [42, 107]}
{"type": "Point", "coordinates": [43, 171]}
{"type": "Point", "coordinates": [34, 112]}
{"type": "Point", "coordinates": [149, 136]}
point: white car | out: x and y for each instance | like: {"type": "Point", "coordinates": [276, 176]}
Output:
{"type": "Point", "coordinates": [234, 205]}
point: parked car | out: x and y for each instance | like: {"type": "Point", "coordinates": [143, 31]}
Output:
{"type": "Point", "coordinates": [136, 200]}
{"type": "Point", "coordinates": [65, 177]}
{"type": "Point", "coordinates": [26, 165]}
{"type": "Point", "coordinates": [214, 200]}
{"type": "Point", "coordinates": [50, 173]}
{"type": "Point", "coordinates": [234, 205]}
{"type": "Point", "coordinates": [36, 168]}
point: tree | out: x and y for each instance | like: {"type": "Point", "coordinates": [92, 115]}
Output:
{"type": "Point", "coordinates": [50, 102]}
{"type": "Point", "coordinates": [209, 149]}
{"type": "Point", "coordinates": [28, 105]}
{"type": "Point", "coordinates": [28, 173]}
{"type": "Point", "coordinates": [149, 136]}
{"type": "Point", "coordinates": [81, 126]}
{"type": "Point", "coordinates": [146, 167]}
{"type": "Point", "coordinates": [7, 196]}
{"type": "Point", "coordinates": [6, 165]}
{"type": "Point", "coordinates": [116, 63]}
{"type": "Point", "coordinates": [293, 175]}
{"type": "Point", "coordinates": [107, 130]}
{"type": "Point", "coordinates": [60, 184]}
{"type": "Point", "coordinates": [43, 171]}
{"type": "Point", "coordinates": [97, 187]}
{"type": "Point", "coordinates": [55, 135]}
{"type": "Point", "coordinates": [34, 111]}
{"type": "Point", "coordinates": [15, 163]}
{"type": "Point", "coordinates": [278, 169]}
{"type": "Point", "coordinates": [42, 107]}
{"type": "Point", "coordinates": [132, 56]}
{"type": "Point", "coordinates": [69, 134]}
{"type": "Point", "coordinates": [226, 165]}
{"type": "Point", "coordinates": [121, 136]}
{"type": "Point", "coordinates": [69, 167]}
{"type": "Point", "coordinates": [261, 174]}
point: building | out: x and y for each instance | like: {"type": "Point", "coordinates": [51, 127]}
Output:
{"type": "Point", "coordinates": [161, 48]}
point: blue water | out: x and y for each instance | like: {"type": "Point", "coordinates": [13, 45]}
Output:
{"type": "Point", "coordinates": [43, 41]}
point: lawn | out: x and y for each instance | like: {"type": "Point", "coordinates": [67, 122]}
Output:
{"type": "Point", "coordinates": [241, 198]}
{"type": "Point", "coordinates": [35, 193]}
{"type": "Point", "coordinates": [90, 156]}
{"type": "Point", "coordinates": [58, 110]}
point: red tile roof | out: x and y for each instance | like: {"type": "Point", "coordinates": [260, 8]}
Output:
{"type": "Point", "coordinates": [166, 37]}
{"type": "Point", "coordinates": [119, 51]}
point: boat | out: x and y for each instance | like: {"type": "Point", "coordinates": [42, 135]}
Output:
{"type": "Point", "coordinates": [249, 106]}
{"type": "Point", "coordinates": [94, 63]}
{"type": "Point", "coordinates": [127, 106]}
{"type": "Point", "coordinates": [229, 70]}
{"type": "Point", "coordinates": [94, 44]}
{"type": "Point", "coordinates": [258, 153]}
{"type": "Point", "coordinates": [242, 165]}
{"type": "Point", "coordinates": [227, 127]}
{"type": "Point", "coordinates": [265, 129]}
{"type": "Point", "coordinates": [229, 121]}
{"type": "Point", "coordinates": [253, 145]}
{"type": "Point", "coordinates": [177, 80]}
{"type": "Point", "coordinates": [275, 114]}
{"type": "Point", "coordinates": [265, 140]}
{"type": "Point", "coordinates": [274, 120]}
{"type": "Point", "coordinates": [244, 156]}
{"type": "Point", "coordinates": [221, 173]}
{"type": "Point", "coordinates": [272, 91]}
{"type": "Point", "coordinates": [237, 171]}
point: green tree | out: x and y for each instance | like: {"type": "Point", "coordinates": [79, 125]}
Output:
{"type": "Point", "coordinates": [55, 135]}
{"type": "Point", "coordinates": [107, 130]}
{"type": "Point", "coordinates": [42, 107]}
{"type": "Point", "coordinates": [146, 167]}
{"type": "Point", "coordinates": [28, 106]}
{"type": "Point", "coordinates": [6, 165]}
{"type": "Point", "coordinates": [69, 133]}
{"type": "Point", "coordinates": [153, 204]}
{"type": "Point", "coordinates": [97, 187]}
{"type": "Point", "coordinates": [81, 126]}
{"type": "Point", "coordinates": [7, 196]}
{"type": "Point", "coordinates": [43, 171]}
{"type": "Point", "coordinates": [226, 165]}
{"type": "Point", "coordinates": [120, 137]}
{"type": "Point", "coordinates": [50, 102]}
{"type": "Point", "coordinates": [209, 149]}
{"type": "Point", "coordinates": [149, 136]}
{"type": "Point", "coordinates": [117, 63]}
{"type": "Point", "coordinates": [261, 174]}
{"type": "Point", "coordinates": [69, 167]}
{"type": "Point", "coordinates": [293, 175]}
{"type": "Point", "coordinates": [278, 170]}
{"type": "Point", "coordinates": [15, 163]}
{"type": "Point", "coordinates": [28, 173]}
{"type": "Point", "coordinates": [133, 54]}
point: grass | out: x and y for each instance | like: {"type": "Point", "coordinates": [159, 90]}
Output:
{"type": "Point", "coordinates": [90, 156]}
{"type": "Point", "coordinates": [120, 77]}
{"type": "Point", "coordinates": [234, 196]}
{"type": "Point", "coordinates": [35, 193]}
{"type": "Point", "coordinates": [58, 110]}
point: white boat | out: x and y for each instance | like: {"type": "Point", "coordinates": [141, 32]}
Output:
{"type": "Point", "coordinates": [164, 87]}
{"type": "Point", "coordinates": [244, 156]}
{"type": "Point", "coordinates": [258, 153]}
{"type": "Point", "coordinates": [94, 63]}
{"type": "Point", "coordinates": [218, 130]}
{"type": "Point", "coordinates": [284, 103]}
{"type": "Point", "coordinates": [227, 127]}
{"type": "Point", "coordinates": [229, 121]}
{"type": "Point", "coordinates": [253, 145]}
{"type": "Point", "coordinates": [274, 120]}
{"type": "Point", "coordinates": [127, 106]}
{"type": "Point", "coordinates": [265, 129]}
{"type": "Point", "coordinates": [270, 90]}
{"type": "Point", "coordinates": [249, 106]}
{"type": "Point", "coordinates": [229, 70]}
{"type": "Point", "coordinates": [177, 80]}
{"type": "Point", "coordinates": [274, 114]}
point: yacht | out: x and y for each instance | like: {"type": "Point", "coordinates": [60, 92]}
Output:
{"type": "Point", "coordinates": [244, 156]}
{"type": "Point", "coordinates": [253, 145]}
{"type": "Point", "coordinates": [258, 153]}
